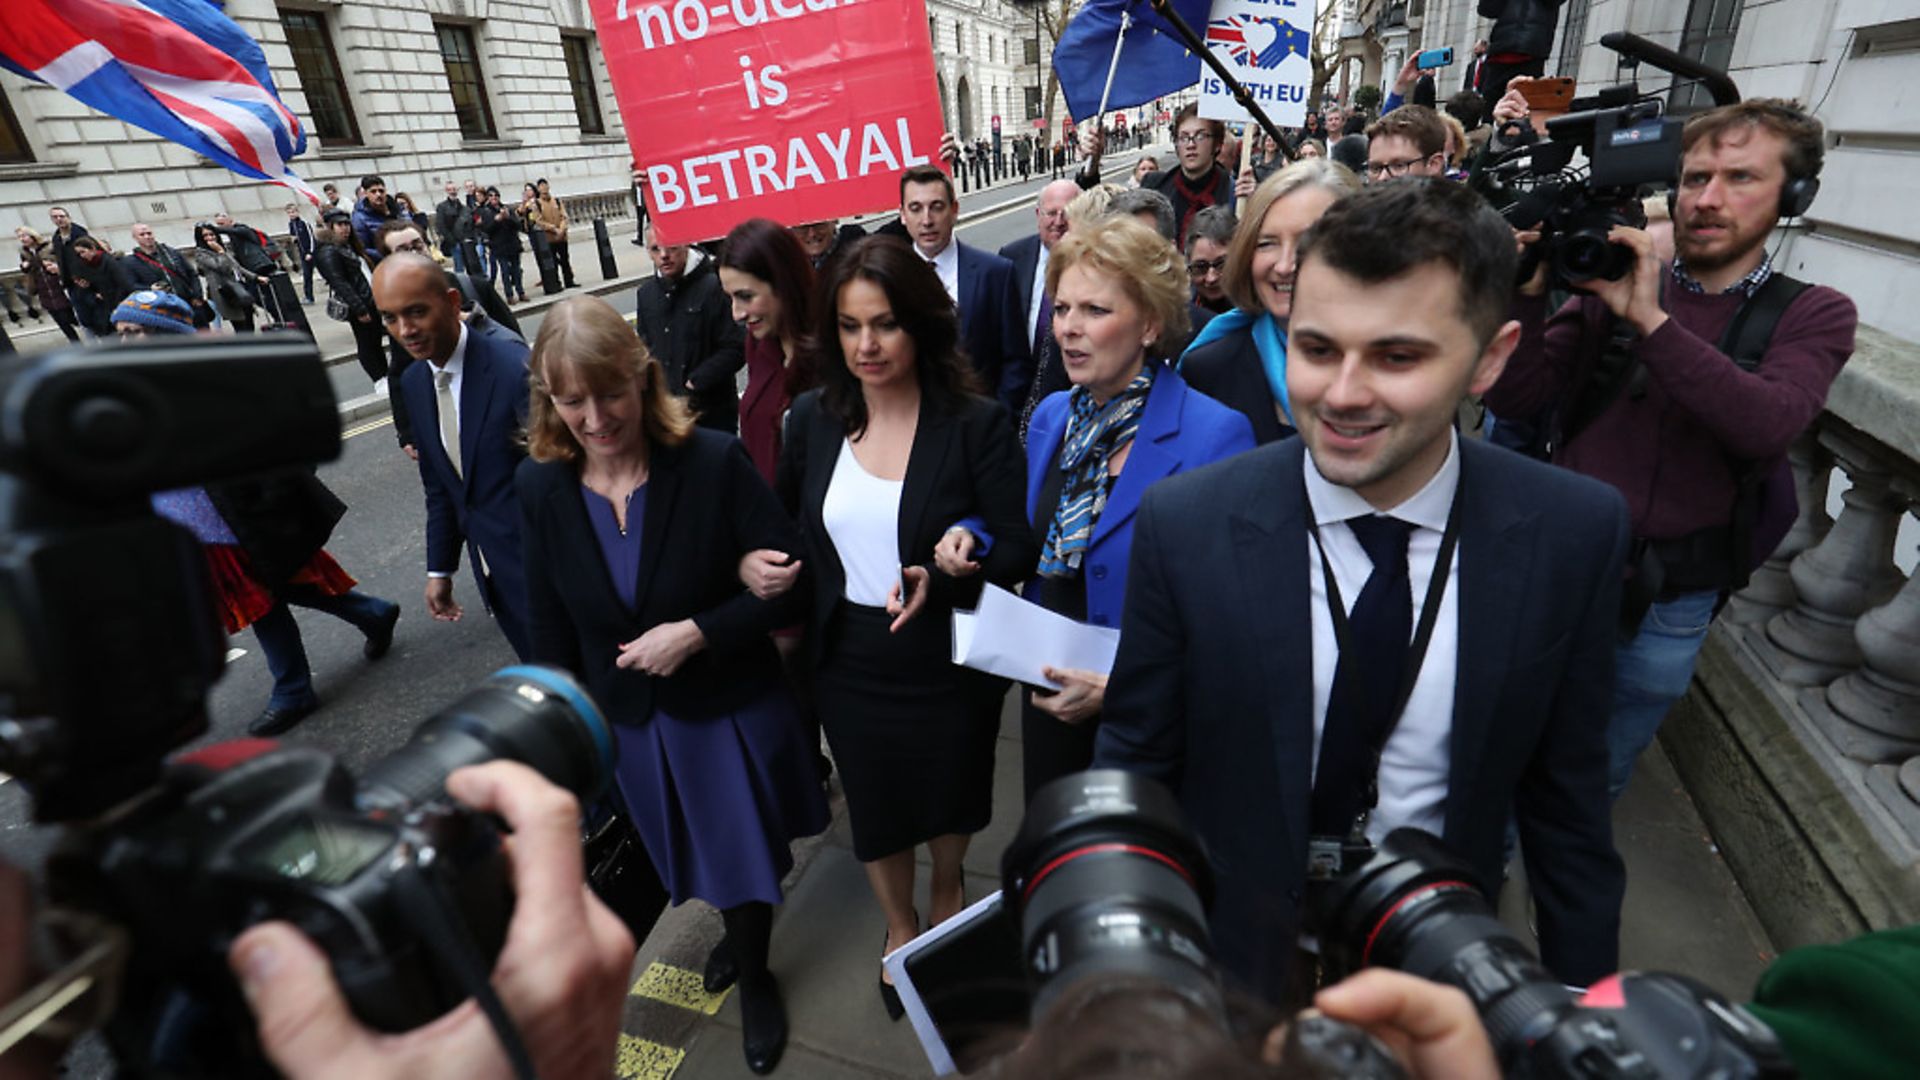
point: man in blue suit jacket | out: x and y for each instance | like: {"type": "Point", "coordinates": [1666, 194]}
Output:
{"type": "Point", "coordinates": [1234, 684]}
{"type": "Point", "coordinates": [468, 454]}
{"type": "Point", "coordinates": [980, 282]}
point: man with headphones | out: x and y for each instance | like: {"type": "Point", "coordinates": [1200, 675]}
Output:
{"type": "Point", "coordinates": [1682, 385]}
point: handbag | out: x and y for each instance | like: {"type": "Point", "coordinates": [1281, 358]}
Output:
{"type": "Point", "coordinates": [337, 309]}
{"type": "Point", "coordinates": [619, 870]}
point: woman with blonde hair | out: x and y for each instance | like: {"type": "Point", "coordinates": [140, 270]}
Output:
{"type": "Point", "coordinates": [1240, 358]}
{"type": "Point", "coordinates": [1119, 301]}
{"type": "Point", "coordinates": [634, 522]}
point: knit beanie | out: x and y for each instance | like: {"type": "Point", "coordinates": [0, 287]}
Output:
{"type": "Point", "coordinates": [155, 310]}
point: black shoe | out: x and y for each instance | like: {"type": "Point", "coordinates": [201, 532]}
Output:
{"type": "Point", "coordinates": [721, 971]}
{"type": "Point", "coordinates": [275, 719]}
{"type": "Point", "coordinates": [35, 312]}
{"type": "Point", "coordinates": [891, 999]}
{"type": "Point", "coordinates": [380, 638]}
{"type": "Point", "coordinates": [763, 1024]}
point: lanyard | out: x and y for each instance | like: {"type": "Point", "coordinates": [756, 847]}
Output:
{"type": "Point", "coordinates": [1422, 635]}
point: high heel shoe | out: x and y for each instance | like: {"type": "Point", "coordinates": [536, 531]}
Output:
{"type": "Point", "coordinates": [890, 997]}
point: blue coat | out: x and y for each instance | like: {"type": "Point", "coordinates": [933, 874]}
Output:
{"type": "Point", "coordinates": [1180, 429]}
{"type": "Point", "coordinates": [478, 509]}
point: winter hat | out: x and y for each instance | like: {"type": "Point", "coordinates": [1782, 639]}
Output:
{"type": "Point", "coordinates": [155, 310]}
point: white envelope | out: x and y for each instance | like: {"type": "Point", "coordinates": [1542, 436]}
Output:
{"type": "Point", "coordinates": [1015, 639]}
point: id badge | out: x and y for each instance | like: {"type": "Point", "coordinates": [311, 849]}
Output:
{"type": "Point", "coordinates": [1324, 856]}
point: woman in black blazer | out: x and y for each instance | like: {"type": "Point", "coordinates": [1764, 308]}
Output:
{"type": "Point", "coordinates": [891, 449]}
{"type": "Point", "coordinates": [634, 524]}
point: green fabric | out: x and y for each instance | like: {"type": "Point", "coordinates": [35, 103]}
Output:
{"type": "Point", "coordinates": [1847, 1010]}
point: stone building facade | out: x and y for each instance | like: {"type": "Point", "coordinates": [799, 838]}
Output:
{"type": "Point", "coordinates": [498, 91]}
{"type": "Point", "coordinates": [988, 64]}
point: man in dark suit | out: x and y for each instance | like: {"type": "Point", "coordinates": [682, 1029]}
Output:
{"type": "Point", "coordinates": [1282, 729]}
{"type": "Point", "coordinates": [980, 283]}
{"type": "Point", "coordinates": [1029, 258]}
{"type": "Point", "coordinates": [472, 394]}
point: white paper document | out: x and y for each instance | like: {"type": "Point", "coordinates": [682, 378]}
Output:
{"type": "Point", "coordinates": [1009, 637]}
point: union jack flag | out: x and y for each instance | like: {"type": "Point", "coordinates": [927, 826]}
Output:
{"type": "Point", "coordinates": [1255, 42]}
{"type": "Point", "coordinates": [178, 68]}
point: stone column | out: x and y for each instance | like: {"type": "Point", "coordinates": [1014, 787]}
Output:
{"type": "Point", "coordinates": [1771, 590]}
{"type": "Point", "coordinates": [1848, 572]}
{"type": "Point", "coordinates": [1873, 712]}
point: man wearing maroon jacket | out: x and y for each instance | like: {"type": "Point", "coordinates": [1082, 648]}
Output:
{"type": "Point", "coordinates": [1694, 437]}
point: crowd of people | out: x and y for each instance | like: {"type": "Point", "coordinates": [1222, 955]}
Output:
{"type": "Point", "coordinates": [1223, 418]}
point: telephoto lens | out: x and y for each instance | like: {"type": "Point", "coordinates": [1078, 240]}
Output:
{"type": "Point", "coordinates": [1104, 880]}
{"type": "Point", "coordinates": [1414, 907]}
{"type": "Point", "coordinates": [527, 713]}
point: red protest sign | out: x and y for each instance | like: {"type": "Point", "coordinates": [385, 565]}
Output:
{"type": "Point", "coordinates": [796, 110]}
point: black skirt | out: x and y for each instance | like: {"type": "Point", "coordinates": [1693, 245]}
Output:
{"type": "Point", "coordinates": [911, 733]}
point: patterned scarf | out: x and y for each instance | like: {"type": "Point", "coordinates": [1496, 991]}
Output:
{"type": "Point", "coordinates": [1094, 433]}
{"type": "Point", "coordinates": [1196, 198]}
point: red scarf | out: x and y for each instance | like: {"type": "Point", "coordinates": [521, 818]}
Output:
{"type": "Point", "coordinates": [1196, 199]}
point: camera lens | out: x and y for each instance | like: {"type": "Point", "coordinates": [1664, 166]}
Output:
{"type": "Point", "coordinates": [1104, 879]}
{"type": "Point", "coordinates": [1414, 907]}
{"type": "Point", "coordinates": [536, 715]}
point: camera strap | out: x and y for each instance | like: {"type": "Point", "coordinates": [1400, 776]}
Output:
{"type": "Point", "coordinates": [1416, 650]}
{"type": "Point", "coordinates": [429, 911]}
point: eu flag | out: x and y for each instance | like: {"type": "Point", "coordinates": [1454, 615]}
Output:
{"type": "Point", "coordinates": [1153, 60]}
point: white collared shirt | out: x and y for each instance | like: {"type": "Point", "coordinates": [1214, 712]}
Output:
{"type": "Point", "coordinates": [1039, 293]}
{"type": "Point", "coordinates": [947, 265]}
{"type": "Point", "coordinates": [456, 365]}
{"type": "Point", "coordinates": [1415, 762]}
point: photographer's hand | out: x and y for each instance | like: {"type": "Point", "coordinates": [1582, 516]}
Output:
{"type": "Point", "coordinates": [562, 975]}
{"type": "Point", "coordinates": [1431, 1028]}
{"type": "Point", "coordinates": [1636, 296]}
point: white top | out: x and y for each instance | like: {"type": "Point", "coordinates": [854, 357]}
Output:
{"type": "Point", "coordinates": [947, 265]}
{"type": "Point", "coordinates": [1414, 764]}
{"type": "Point", "coordinates": [862, 515]}
{"type": "Point", "coordinates": [1039, 293]}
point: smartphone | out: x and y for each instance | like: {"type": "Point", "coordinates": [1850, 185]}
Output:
{"type": "Point", "coordinates": [1553, 96]}
{"type": "Point", "coordinates": [1435, 58]}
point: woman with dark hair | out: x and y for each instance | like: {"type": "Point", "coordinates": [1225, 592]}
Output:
{"type": "Point", "coordinates": [229, 285]}
{"type": "Point", "coordinates": [892, 447]}
{"type": "Point", "coordinates": [343, 262]}
{"type": "Point", "coordinates": [769, 278]}
{"type": "Point", "coordinates": [634, 522]}
{"type": "Point", "coordinates": [403, 205]}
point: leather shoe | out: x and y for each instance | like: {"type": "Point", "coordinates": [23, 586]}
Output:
{"type": "Point", "coordinates": [275, 719]}
{"type": "Point", "coordinates": [380, 638]}
{"type": "Point", "coordinates": [721, 971]}
{"type": "Point", "coordinates": [763, 1024]}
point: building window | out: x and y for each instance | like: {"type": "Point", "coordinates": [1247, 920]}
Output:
{"type": "Point", "coordinates": [13, 139]}
{"type": "Point", "coordinates": [586, 99]}
{"type": "Point", "coordinates": [464, 79]}
{"type": "Point", "coordinates": [1033, 50]}
{"type": "Point", "coordinates": [1708, 38]}
{"type": "Point", "coordinates": [1033, 102]}
{"type": "Point", "coordinates": [1572, 37]}
{"type": "Point", "coordinates": [320, 76]}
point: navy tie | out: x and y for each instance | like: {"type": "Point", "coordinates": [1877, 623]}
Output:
{"type": "Point", "coordinates": [1043, 322]}
{"type": "Point", "coordinates": [1366, 682]}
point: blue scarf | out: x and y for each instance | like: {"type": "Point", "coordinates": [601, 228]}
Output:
{"type": "Point", "coordinates": [1095, 433]}
{"type": "Point", "coordinates": [1267, 337]}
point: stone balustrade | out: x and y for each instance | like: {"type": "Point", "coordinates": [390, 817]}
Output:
{"type": "Point", "coordinates": [1801, 738]}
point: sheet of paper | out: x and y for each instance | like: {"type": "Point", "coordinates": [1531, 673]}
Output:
{"type": "Point", "coordinates": [1009, 637]}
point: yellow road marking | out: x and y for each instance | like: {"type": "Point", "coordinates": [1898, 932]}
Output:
{"type": "Point", "coordinates": [638, 1059]}
{"type": "Point", "coordinates": [371, 425]}
{"type": "Point", "coordinates": [678, 987]}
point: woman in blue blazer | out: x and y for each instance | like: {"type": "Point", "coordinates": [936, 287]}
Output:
{"type": "Point", "coordinates": [1119, 300]}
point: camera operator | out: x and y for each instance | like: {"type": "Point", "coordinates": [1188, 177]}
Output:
{"type": "Point", "coordinates": [1658, 393]}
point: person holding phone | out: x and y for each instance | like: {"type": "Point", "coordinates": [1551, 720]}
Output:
{"type": "Point", "coordinates": [894, 446]}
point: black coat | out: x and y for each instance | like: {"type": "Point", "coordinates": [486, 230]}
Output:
{"type": "Point", "coordinates": [688, 326]}
{"type": "Point", "coordinates": [1229, 371]}
{"type": "Point", "coordinates": [502, 228]}
{"type": "Point", "coordinates": [281, 520]}
{"type": "Point", "coordinates": [247, 248]}
{"type": "Point", "coordinates": [347, 282]}
{"type": "Point", "coordinates": [962, 465]}
{"type": "Point", "coordinates": [164, 269]}
{"type": "Point", "coordinates": [453, 220]}
{"type": "Point", "coordinates": [1521, 26]}
{"type": "Point", "coordinates": [706, 506]}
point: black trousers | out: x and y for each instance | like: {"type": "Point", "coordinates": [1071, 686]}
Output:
{"type": "Point", "coordinates": [563, 263]}
{"type": "Point", "coordinates": [369, 342]}
{"type": "Point", "coordinates": [1050, 748]}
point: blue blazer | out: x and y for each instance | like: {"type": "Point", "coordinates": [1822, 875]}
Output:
{"type": "Point", "coordinates": [1212, 692]}
{"type": "Point", "coordinates": [991, 318]}
{"type": "Point", "coordinates": [1180, 429]}
{"type": "Point", "coordinates": [478, 509]}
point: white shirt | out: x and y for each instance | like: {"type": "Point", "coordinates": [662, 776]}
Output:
{"type": "Point", "coordinates": [455, 365]}
{"type": "Point", "coordinates": [1039, 292]}
{"type": "Point", "coordinates": [1414, 764]}
{"type": "Point", "coordinates": [947, 265]}
{"type": "Point", "coordinates": [862, 515]}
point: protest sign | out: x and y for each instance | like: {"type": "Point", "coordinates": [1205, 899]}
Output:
{"type": "Point", "coordinates": [795, 110]}
{"type": "Point", "coordinates": [1267, 44]}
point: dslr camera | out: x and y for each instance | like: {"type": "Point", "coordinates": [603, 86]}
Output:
{"type": "Point", "coordinates": [1628, 148]}
{"type": "Point", "coordinates": [1104, 884]}
{"type": "Point", "coordinates": [109, 642]}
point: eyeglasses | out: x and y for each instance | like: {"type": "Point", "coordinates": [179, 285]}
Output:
{"type": "Point", "coordinates": [1192, 138]}
{"type": "Point", "coordinates": [1380, 170]}
{"type": "Point", "coordinates": [1202, 267]}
